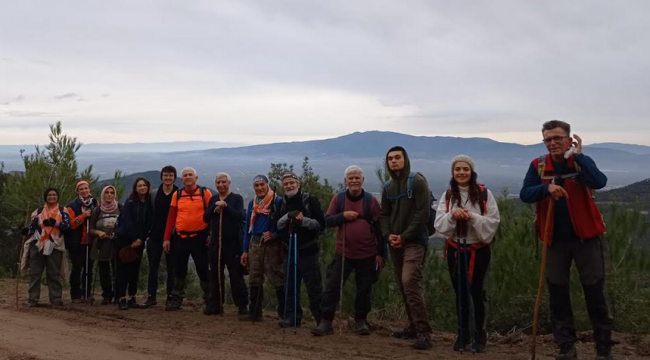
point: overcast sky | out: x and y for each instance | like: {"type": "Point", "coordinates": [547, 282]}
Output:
{"type": "Point", "coordinates": [265, 71]}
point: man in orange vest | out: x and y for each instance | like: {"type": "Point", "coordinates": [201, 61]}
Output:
{"type": "Point", "coordinates": [186, 234]}
{"type": "Point", "coordinates": [567, 176]}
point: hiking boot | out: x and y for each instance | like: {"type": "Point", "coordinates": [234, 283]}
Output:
{"type": "Point", "coordinates": [287, 323]}
{"type": "Point", "coordinates": [151, 301]}
{"type": "Point", "coordinates": [57, 304]}
{"type": "Point", "coordinates": [123, 305]}
{"type": "Point", "coordinates": [78, 301]}
{"type": "Point", "coordinates": [407, 333]}
{"type": "Point", "coordinates": [567, 352]}
{"type": "Point", "coordinates": [464, 346]}
{"type": "Point", "coordinates": [481, 341]}
{"type": "Point", "coordinates": [423, 342]}
{"type": "Point", "coordinates": [323, 328]}
{"type": "Point", "coordinates": [106, 301]}
{"type": "Point", "coordinates": [32, 304]}
{"type": "Point", "coordinates": [361, 327]}
{"type": "Point", "coordinates": [603, 353]}
{"type": "Point", "coordinates": [174, 303]}
{"type": "Point", "coordinates": [242, 312]}
{"type": "Point", "coordinates": [132, 303]}
{"type": "Point", "coordinates": [168, 300]}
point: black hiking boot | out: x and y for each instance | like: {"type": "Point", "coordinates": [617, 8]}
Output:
{"type": "Point", "coordinates": [407, 333]}
{"type": "Point", "coordinates": [481, 341]}
{"type": "Point", "coordinates": [423, 342]}
{"type": "Point", "coordinates": [361, 327]}
{"type": "Point", "coordinates": [603, 353]}
{"type": "Point", "coordinates": [174, 303]}
{"type": "Point", "coordinates": [465, 345]}
{"type": "Point", "coordinates": [287, 323]}
{"type": "Point", "coordinates": [243, 313]}
{"type": "Point", "coordinates": [256, 297]}
{"type": "Point", "coordinates": [567, 352]}
{"type": "Point", "coordinates": [132, 303]}
{"type": "Point", "coordinates": [122, 304]}
{"type": "Point", "coordinates": [151, 301]}
{"type": "Point", "coordinates": [323, 328]}
{"type": "Point", "coordinates": [279, 295]}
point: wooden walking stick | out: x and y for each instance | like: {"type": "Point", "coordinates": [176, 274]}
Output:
{"type": "Point", "coordinates": [20, 252]}
{"type": "Point", "coordinates": [342, 278]}
{"type": "Point", "coordinates": [548, 236]}
{"type": "Point", "coordinates": [219, 261]}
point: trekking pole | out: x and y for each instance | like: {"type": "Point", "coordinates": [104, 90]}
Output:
{"type": "Point", "coordinates": [342, 277]}
{"type": "Point", "coordinates": [295, 282]}
{"type": "Point", "coordinates": [87, 260]}
{"type": "Point", "coordinates": [470, 301]}
{"type": "Point", "coordinates": [20, 252]}
{"type": "Point", "coordinates": [548, 235]}
{"type": "Point", "coordinates": [257, 298]}
{"type": "Point", "coordinates": [286, 288]}
{"type": "Point", "coordinates": [459, 290]}
{"type": "Point", "coordinates": [219, 262]}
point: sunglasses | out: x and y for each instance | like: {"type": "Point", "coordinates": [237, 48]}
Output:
{"type": "Point", "coordinates": [558, 138]}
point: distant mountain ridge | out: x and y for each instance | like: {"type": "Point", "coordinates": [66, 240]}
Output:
{"type": "Point", "coordinates": [499, 165]}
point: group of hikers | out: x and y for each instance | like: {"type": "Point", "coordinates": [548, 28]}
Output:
{"type": "Point", "coordinates": [275, 238]}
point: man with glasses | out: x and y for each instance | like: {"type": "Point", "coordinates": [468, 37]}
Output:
{"type": "Point", "coordinates": [568, 177]}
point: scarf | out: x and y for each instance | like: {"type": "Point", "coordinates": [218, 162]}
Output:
{"type": "Point", "coordinates": [88, 203]}
{"type": "Point", "coordinates": [48, 232]}
{"type": "Point", "coordinates": [263, 208]}
{"type": "Point", "coordinates": [108, 207]}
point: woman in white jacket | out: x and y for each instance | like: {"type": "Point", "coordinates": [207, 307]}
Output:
{"type": "Point", "coordinates": [468, 218]}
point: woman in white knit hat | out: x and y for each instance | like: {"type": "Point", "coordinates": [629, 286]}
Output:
{"type": "Point", "coordinates": [468, 217]}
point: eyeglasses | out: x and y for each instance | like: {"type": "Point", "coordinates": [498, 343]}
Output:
{"type": "Point", "coordinates": [558, 138]}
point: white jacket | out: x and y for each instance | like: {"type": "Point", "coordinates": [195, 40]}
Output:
{"type": "Point", "coordinates": [482, 228]}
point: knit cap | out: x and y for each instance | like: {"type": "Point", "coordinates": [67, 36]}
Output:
{"type": "Point", "coordinates": [462, 158]}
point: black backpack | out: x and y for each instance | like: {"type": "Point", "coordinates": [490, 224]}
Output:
{"type": "Point", "coordinates": [431, 228]}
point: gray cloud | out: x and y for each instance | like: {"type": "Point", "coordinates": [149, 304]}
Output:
{"type": "Point", "coordinates": [418, 66]}
{"type": "Point", "coordinates": [67, 96]}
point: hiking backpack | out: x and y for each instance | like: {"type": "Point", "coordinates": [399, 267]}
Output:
{"type": "Point", "coordinates": [431, 228]}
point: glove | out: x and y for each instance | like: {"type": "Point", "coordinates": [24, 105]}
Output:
{"type": "Point", "coordinates": [53, 222]}
{"type": "Point", "coordinates": [294, 214]}
{"type": "Point", "coordinates": [48, 222]}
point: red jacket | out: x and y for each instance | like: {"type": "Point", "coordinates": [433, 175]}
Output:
{"type": "Point", "coordinates": [586, 218]}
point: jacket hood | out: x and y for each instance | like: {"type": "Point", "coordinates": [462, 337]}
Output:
{"type": "Point", "coordinates": [407, 164]}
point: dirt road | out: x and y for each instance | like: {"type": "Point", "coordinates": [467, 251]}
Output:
{"type": "Point", "coordinates": [80, 332]}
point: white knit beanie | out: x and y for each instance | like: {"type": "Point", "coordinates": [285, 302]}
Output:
{"type": "Point", "coordinates": [462, 158]}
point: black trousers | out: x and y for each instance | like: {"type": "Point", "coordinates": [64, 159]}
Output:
{"type": "Point", "coordinates": [309, 272]}
{"type": "Point", "coordinates": [128, 275]}
{"type": "Point", "coordinates": [588, 257]}
{"type": "Point", "coordinates": [182, 249]}
{"type": "Point", "coordinates": [364, 271]}
{"type": "Point", "coordinates": [154, 253]}
{"type": "Point", "coordinates": [238, 287]}
{"type": "Point", "coordinates": [482, 258]}
{"type": "Point", "coordinates": [78, 271]}
{"type": "Point", "coordinates": [107, 278]}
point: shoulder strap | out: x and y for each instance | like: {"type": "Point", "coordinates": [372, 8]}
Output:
{"type": "Point", "coordinates": [448, 198]}
{"type": "Point", "coordinates": [305, 203]}
{"type": "Point", "coordinates": [340, 202]}
{"type": "Point", "coordinates": [409, 188]}
{"type": "Point", "coordinates": [367, 206]}
{"type": "Point", "coordinates": [541, 165]}
{"type": "Point", "coordinates": [482, 197]}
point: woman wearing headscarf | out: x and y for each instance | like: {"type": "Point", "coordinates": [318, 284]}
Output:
{"type": "Point", "coordinates": [45, 248]}
{"type": "Point", "coordinates": [102, 228]}
{"type": "Point", "coordinates": [132, 231]}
